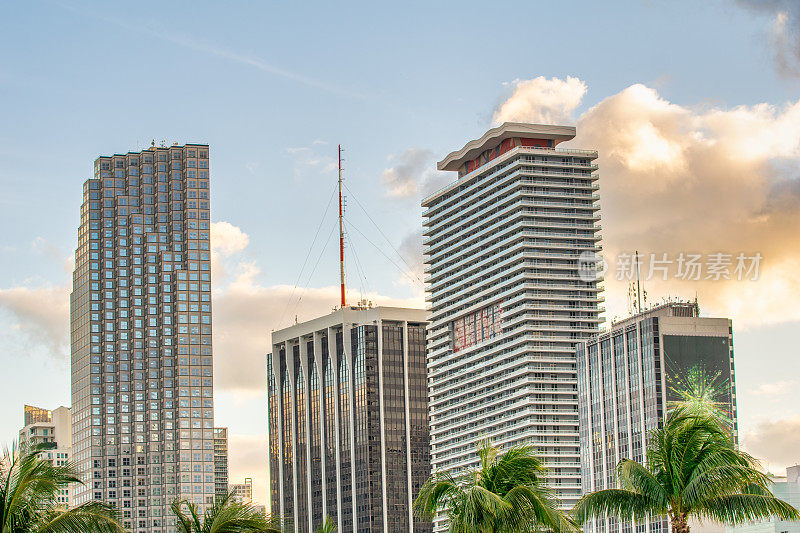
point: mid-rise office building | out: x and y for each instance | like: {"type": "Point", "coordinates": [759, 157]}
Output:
{"type": "Point", "coordinates": [140, 310]}
{"type": "Point", "coordinates": [627, 378]}
{"type": "Point", "coordinates": [508, 304]}
{"type": "Point", "coordinates": [348, 420]}
{"type": "Point", "coordinates": [52, 431]}
{"type": "Point", "coordinates": [220, 462]}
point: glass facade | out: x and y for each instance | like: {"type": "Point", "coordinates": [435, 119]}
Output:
{"type": "Point", "coordinates": [140, 311]}
{"type": "Point", "coordinates": [381, 453]}
{"type": "Point", "coordinates": [624, 389]}
{"type": "Point", "coordinates": [314, 438]}
{"type": "Point", "coordinates": [274, 411]}
{"type": "Point", "coordinates": [330, 490]}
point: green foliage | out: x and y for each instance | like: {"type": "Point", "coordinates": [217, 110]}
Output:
{"type": "Point", "coordinates": [328, 526]}
{"type": "Point", "coordinates": [506, 493]}
{"type": "Point", "coordinates": [29, 487]}
{"type": "Point", "coordinates": [226, 516]}
{"type": "Point", "coordinates": [693, 469]}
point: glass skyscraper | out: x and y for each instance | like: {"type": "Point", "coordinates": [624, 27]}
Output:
{"type": "Point", "coordinates": [348, 420]}
{"type": "Point", "coordinates": [140, 309]}
{"type": "Point", "coordinates": [502, 245]}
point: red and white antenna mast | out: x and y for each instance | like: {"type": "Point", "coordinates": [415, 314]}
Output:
{"type": "Point", "coordinates": [341, 229]}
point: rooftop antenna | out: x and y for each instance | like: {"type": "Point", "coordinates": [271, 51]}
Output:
{"type": "Point", "coordinates": [639, 303]}
{"type": "Point", "coordinates": [341, 230]}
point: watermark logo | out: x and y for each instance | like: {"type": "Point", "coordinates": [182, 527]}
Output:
{"type": "Point", "coordinates": [718, 266]}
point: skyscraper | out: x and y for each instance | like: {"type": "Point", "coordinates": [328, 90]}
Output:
{"type": "Point", "coordinates": [502, 245]}
{"type": "Point", "coordinates": [220, 462]}
{"type": "Point", "coordinates": [348, 420]}
{"type": "Point", "coordinates": [140, 309]}
{"type": "Point", "coordinates": [626, 378]}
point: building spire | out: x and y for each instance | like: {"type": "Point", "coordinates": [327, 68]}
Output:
{"type": "Point", "coordinates": [341, 231]}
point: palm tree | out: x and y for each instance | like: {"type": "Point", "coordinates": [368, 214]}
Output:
{"type": "Point", "coordinates": [693, 470]}
{"type": "Point", "coordinates": [29, 487]}
{"type": "Point", "coordinates": [328, 526]}
{"type": "Point", "coordinates": [226, 516]}
{"type": "Point", "coordinates": [507, 493]}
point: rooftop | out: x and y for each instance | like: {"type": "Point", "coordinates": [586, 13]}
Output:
{"type": "Point", "coordinates": [497, 135]}
{"type": "Point", "coordinates": [349, 315]}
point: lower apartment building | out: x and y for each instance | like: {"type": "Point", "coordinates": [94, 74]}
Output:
{"type": "Point", "coordinates": [52, 430]}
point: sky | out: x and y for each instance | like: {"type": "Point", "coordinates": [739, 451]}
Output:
{"type": "Point", "coordinates": [694, 108]}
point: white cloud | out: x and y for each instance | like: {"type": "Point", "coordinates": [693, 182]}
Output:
{"type": "Point", "coordinates": [541, 101]}
{"type": "Point", "coordinates": [40, 315]}
{"type": "Point", "coordinates": [678, 179]}
{"type": "Point", "coordinates": [228, 239]}
{"type": "Point", "coordinates": [776, 443]}
{"type": "Point", "coordinates": [307, 160]}
{"type": "Point", "coordinates": [776, 388]}
{"type": "Point", "coordinates": [413, 175]}
{"type": "Point", "coordinates": [248, 457]}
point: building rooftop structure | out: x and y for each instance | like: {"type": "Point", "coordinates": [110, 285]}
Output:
{"type": "Point", "coordinates": [549, 136]}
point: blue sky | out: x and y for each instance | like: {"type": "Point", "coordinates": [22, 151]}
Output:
{"type": "Point", "coordinates": [273, 87]}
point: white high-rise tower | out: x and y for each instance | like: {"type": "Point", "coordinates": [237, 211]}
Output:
{"type": "Point", "coordinates": [504, 245]}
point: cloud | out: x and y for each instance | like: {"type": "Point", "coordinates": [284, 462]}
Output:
{"type": "Point", "coordinates": [413, 175]}
{"type": "Point", "coordinates": [541, 101]}
{"type": "Point", "coordinates": [306, 160]}
{"type": "Point", "coordinates": [248, 457]}
{"type": "Point", "coordinates": [53, 253]}
{"type": "Point", "coordinates": [411, 250]}
{"type": "Point", "coordinates": [41, 315]}
{"type": "Point", "coordinates": [784, 34]}
{"type": "Point", "coordinates": [775, 443]}
{"type": "Point", "coordinates": [777, 388]}
{"type": "Point", "coordinates": [677, 179]}
{"type": "Point", "coordinates": [227, 239]}
{"type": "Point", "coordinates": [247, 311]}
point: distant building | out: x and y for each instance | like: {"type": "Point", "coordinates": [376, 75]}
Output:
{"type": "Point", "coordinates": [242, 492]}
{"type": "Point", "coordinates": [787, 488]}
{"type": "Point", "coordinates": [220, 462]}
{"type": "Point", "coordinates": [628, 376]}
{"type": "Point", "coordinates": [348, 420]}
{"type": "Point", "coordinates": [52, 430]}
{"type": "Point", "coordinates": [36, 414]}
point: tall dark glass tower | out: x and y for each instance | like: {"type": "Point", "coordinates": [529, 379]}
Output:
{"type": "Point", "coordinates": [348, 420]}
{"type": "Point", "coordinates": [140, 311]}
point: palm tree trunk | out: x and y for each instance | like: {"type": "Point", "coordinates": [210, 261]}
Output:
{"type": "Point", "coordinates": [679, 523]}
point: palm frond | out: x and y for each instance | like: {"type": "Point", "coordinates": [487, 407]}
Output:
{"type": "Point", "coordinates": [91, 517]}
{"type": "Point", "coordinates": [621, 503]}
{"type": "Point", "coordinates": [635, 477]}
{"type": "Point", "coordinates": [739, 508]}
